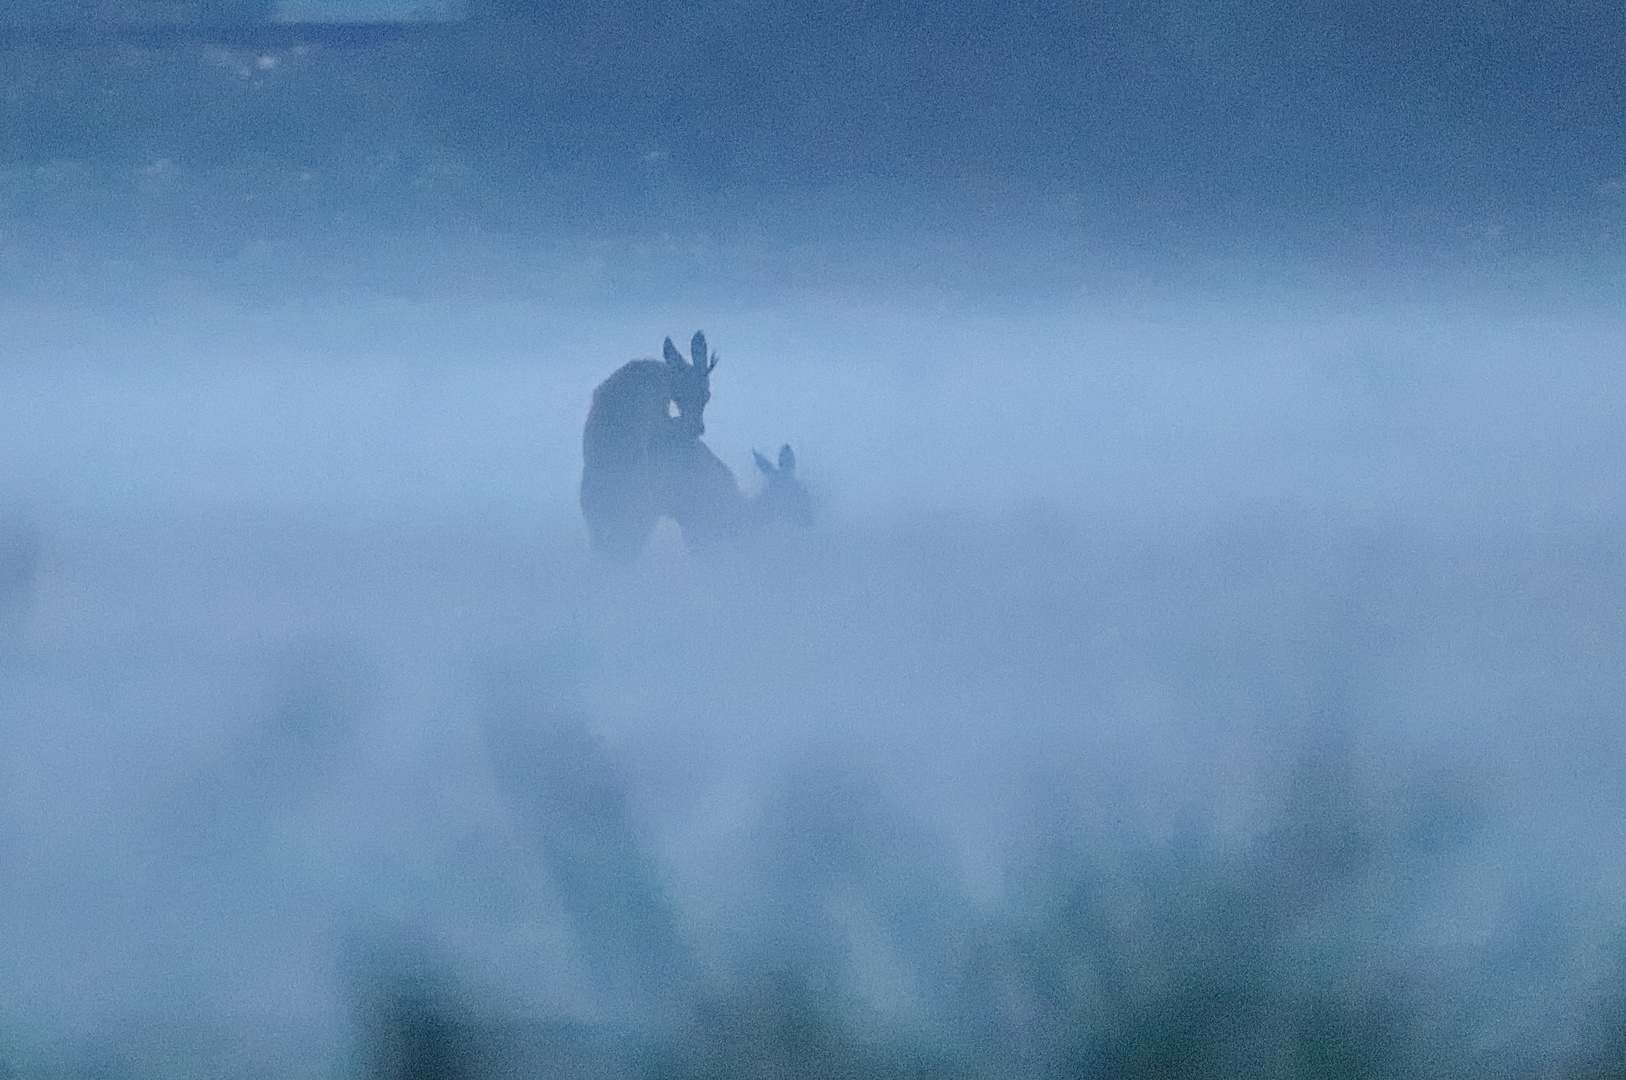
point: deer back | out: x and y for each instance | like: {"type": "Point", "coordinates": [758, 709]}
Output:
{"type": "Point", "coordinates": [642, 417]}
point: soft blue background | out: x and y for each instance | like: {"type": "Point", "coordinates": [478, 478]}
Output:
{"type": "Point", "coordinates": [369, 10]}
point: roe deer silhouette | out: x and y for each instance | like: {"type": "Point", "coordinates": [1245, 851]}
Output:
{"type": "Point", "coordinates": [643, 416]}
{"type": "Point", "coordinates": [643, 459]}
{"type": "Point", "coordinates": [709, 507]}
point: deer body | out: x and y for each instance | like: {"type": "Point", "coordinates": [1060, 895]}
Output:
{"type": "Point", "coordinates": [642, 416]}
{"type": "Point", "coordinates": [709, 507]}
{"type": "Point", "coordinates": [643, 459]}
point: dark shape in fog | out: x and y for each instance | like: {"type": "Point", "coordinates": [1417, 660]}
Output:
{"type": "Point", "coordinates": [710, 508]}
{"type": "Point", "coordinates": [643, 459]}
{"type": "Point", "coordinates": [643, 416]}
{"type": "Point", "coordinates": [572, 800]}
{"type": "Point", "coordinates": [783, 497]}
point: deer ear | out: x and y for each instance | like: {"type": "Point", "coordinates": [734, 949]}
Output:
{"type": "Point", "coordinates": [763, 463]}
{"type": "Point", "coordinates": [787, 459]}
{"type": "Point", "coordinates": [671, 353]}
{"type": "Point", "coordinates": [711, 367]}
{"type": "Point", "coordinates": [697, 349]}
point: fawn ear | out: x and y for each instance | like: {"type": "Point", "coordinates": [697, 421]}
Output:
{"type": "Point", "coordinates": [787, 460]}
{"type": "Point", "coordinates": [671, 353]}
{"type": "Point", "coordinates": [763, 463]}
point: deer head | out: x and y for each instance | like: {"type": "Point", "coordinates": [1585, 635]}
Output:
{"type": "Point", "coordinates": [689, 384]}
{"type": "Point", "coordinates": [783, 497]}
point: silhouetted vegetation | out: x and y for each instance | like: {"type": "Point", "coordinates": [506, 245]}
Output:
{"type": "Point", "coordinates": [1183, 959]}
